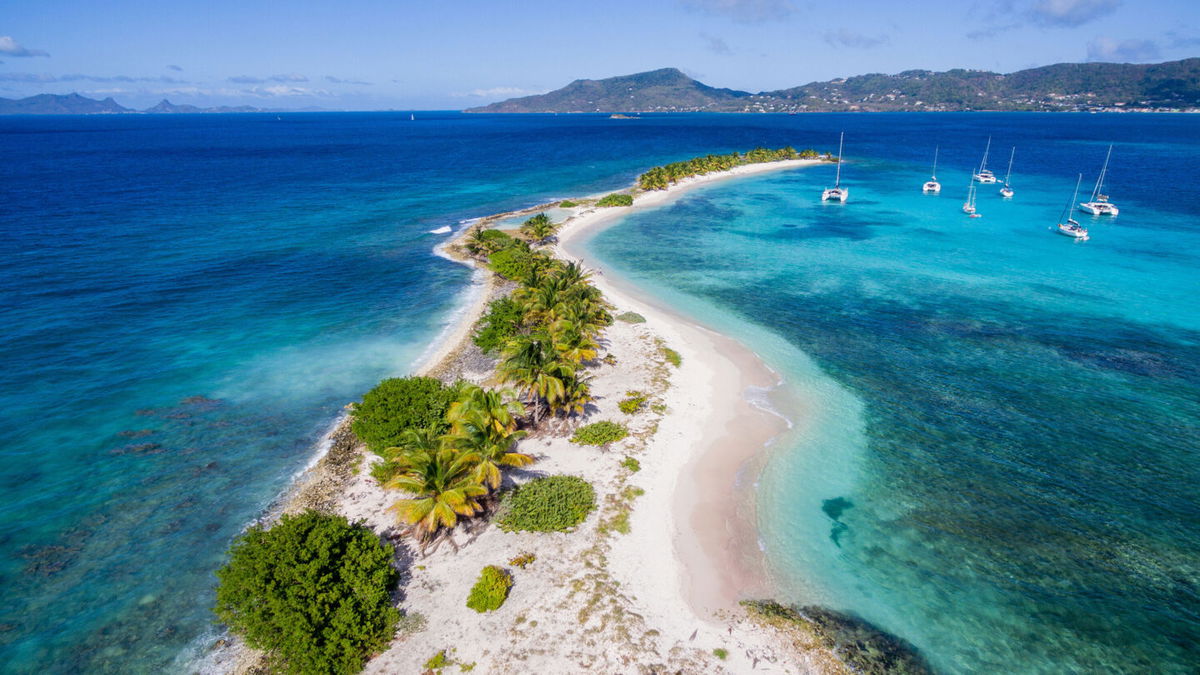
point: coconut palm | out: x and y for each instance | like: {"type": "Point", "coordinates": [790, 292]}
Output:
{"type": "Point", "coordinates": [577, 393]}
{"type": "Point", "coordinates": [531, 364]}
{"type": "Point", "coordinates": [571, 342]}
{"type": "Point", "coordinates": [445, 488]}
{"type": "Point", "coordinates": [490, 452]}
{"type": "Point", "coordinates": [491, 409]}
{"type": "Point", "coordinates": [538, 228]}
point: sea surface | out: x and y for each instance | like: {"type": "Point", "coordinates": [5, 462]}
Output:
{"type": "Point", "coordinates": [997, 449]}
{"type": "Point", "coordinates": [997, 460]}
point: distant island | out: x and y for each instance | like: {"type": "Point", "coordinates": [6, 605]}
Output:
{"type": "Point", "coordinates": [1071, 87]}
{"type": "Point", "coordinates": [74, 104]}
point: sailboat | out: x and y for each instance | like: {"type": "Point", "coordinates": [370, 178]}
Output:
{"type": "Point", "coordinates": [1099, 204]}
{"type": "Point", "coordinates": [932, 185]}
{"type": "Point", "coordinates": [1072, 228]}
{"type": "Point", "coordinates": [968, 206]}
{"type": "Point", "coordinates": [837, 193]}
{"type": "Point", "coordinates": [1006, 191]}
{"type": "Point", "coordinates": [985, 176]}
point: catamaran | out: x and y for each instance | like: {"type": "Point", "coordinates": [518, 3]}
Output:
{"type": "Point", "coordinates": [837, 193]}
{"type": "Point", "coordinates": [968, 206]}
{"type": "Point", "coordinates": [1072, 228]}
{"type": "Point", "coordinates": [985, 176]}
{"type": "Point", "coordinates": [932, 185]}
{"type": "Point", "coordinates": [1099, 204]}
{"type": "Point", "coordinates": [1006, 191]}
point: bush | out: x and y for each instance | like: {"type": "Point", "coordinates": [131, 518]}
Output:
{"type": "Point", "coordinates": [632, 404]}
{"type": "Point", "coordinates": [490, 591]}
{"type": "Point", "coordinates": [398, 404]}
{"type": "Point", "coordinates": [721, 653]}
{"type": "Point", "coordinates": [631, 317]}
{"type": "Point", "coordinates": [672, 356]}
{"type": "Point", "coordinates": [632, 464]}
{"type": "Point", "coordinates": [516, 263]}
{"type": "Point", "coordinates": [498, 239]}
{"type": "Point", "coordinates": [550, 504]}
{"type": "Point", "coordinates": [523, 560]}
{"type": "Point", "coordinates": [615, 199]}
{"type": "Point", "coordinates": [599, 433]}
{"type": "Point", "coordinates": [502, 321]}
{"type": "Point", "coordinates": [567, 204]}
{"type": "Point", "coordinates": [314, 592]}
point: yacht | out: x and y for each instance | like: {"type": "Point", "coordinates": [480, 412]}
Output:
{"type": "Point", "coordinates": [1099, 205]}
{"type": "Point", "coordinates": [932, 185]}
{"type": "Point", "coordinates": [837, 193]}
{"type": "Point", "coordinates": [1007, 191]}
{"type": "Point", "coordinates": [968, 206]}
{"type": "Point", "coordinates": [984, 175]}
{"type": "Point", "coordinates": [1071, 228]}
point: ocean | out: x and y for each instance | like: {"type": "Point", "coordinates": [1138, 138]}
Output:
{"type": "Point", "coordinates": [998, 459]}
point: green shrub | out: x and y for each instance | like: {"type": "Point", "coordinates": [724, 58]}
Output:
{"type": "Point", "coordinates": [599, 433]}
{"type": "Point", "coordinates": [386, 470]}
{"type": "Point", "coordinates": [490, 591]}
{"type": "Point", "coordinates": [632, 404]}
{"type": "Point", "coordinates": [498, 239]}
{"type": "Point", "coordinates": [672, 356]}
{"type": "Point", "coordinates": [314, 592]}
{"type": "Point", "coordinates": [438, 660]}
{"type": "Point", "coordinates": [549, 504]}
{"type": "Point", "coordinates": [632, 464]}
{"type": "Point", "coordinates": [631, 317]}
{"type": "Point", "coordinates": [516, 263]}
{"type": "Point", "coordinates": [567, 204]}
{"type": "Point", "coordinates": [398, 404]}
{"type": "Point", "coordinates": [615, 199]}
{"type": "Point", "coordinates": [502, 321]}
{"type": "Point", "coordinates": [721, 653]}
{"type": "Point", "coordinates": [523, 560]}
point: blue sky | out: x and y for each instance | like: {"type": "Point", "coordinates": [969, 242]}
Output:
{"type": "Point", "coordinates": [380, 54]}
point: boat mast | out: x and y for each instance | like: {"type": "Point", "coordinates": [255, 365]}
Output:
{"type": "Point", "coordinates": [837, 181]}
{"type": "Point", "coordinates": [1010, 160]}
{"type": "Point", "coordinates": [983, 164]}
{"type": "Point", "coordinates": [933, 176]}
{"type": "Point", "coordinates": [1100, 180]}
{"type": "Point", "coordinates": [1067, 209]}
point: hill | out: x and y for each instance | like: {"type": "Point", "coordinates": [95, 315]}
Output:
{"type": "Point", "coordinates": [663, 90]}
{"type": "Point", "coordinates": [1174, 85]}
{"type": "Point", "coordinates": [54, 104]}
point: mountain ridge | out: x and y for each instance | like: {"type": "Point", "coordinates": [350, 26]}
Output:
{"type": "Point", "coordinates": [1171, 85]}
{"type": "Point", "coordinates": [75, 104]}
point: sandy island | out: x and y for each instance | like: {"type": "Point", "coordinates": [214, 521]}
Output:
{"type": "Point", "coordinates": [650, 581]}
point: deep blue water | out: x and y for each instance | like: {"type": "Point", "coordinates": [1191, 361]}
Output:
{"type": "Point", "coordinates": [189, 301]}
{"type": "Point", "coordinates": [998, 427]}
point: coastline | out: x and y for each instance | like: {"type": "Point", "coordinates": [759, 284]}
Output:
{"type": "Point", "coordinates": [673, 574]}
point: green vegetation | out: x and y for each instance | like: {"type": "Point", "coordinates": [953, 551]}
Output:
{"type": "Point", "coordinates": [661, 177]}
{"type": "Point", "coordinates": [539, 228]}
{"type": "Point", "coordinates": [411, 623]}
{"type": "Point", "coordinates": [620, 507]}
{"type": "Point", "coordinates": [503, 321]}
{"type": "Point", "coordinates": [314, 592]}
{"type": "Point", "coordinates": [491, 590]}
{"type": "Point", "coordinates": [672, 357]}
{"type": "Point", "coordinates": [599, 433]}
{"type": "Point", "coordinates": [631, 317]}
{"type": "Point", "coordinates": [721, 653]}
{"type": "Point", "coordinates": [397, 405]}
{"type": "Point", "coordinates": [518, 263]}
{"type": "Point", "coordinates": [549, 504]}
{"type": "Point", "coordinates": [633, 403]}
{"type": "Point", "coordinates": [615, 199]}
{"type": "Point", "coordinates": [484, 242]}
{"type": "Point", "coordinates": [632, 464]}
{"type": "Point", "coordinates": [567, 204]}
{"type": "Point", "coordinates": [437, 661]}
{"type": "Point", "coordinates": [523, 560]}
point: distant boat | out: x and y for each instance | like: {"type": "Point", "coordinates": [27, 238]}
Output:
{"type": "Point", "coordinates": [1006, 191]}
{"type": "Point", "coordinates": [983, 175]}
{"type": "Point", "coordinates": [411, 117]}
{"type": "Point", "coordinates": [837, 193]}
{"type": "Point", "coordinates": [968, 206]}
{"type": "Point", "coordinates": [1071, 228]}
{"type": "Point", "coordinates": [932, 185]}
{"type": "Point", "coordinates": [1099, 204]}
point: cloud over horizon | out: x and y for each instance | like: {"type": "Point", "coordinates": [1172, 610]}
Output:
{"type": "Point", "coordinates": [844, 37]}
{"type": "Point", "coordinates": [743, 11]}
{"type": "Point", "coordinates": [250, 79]}
{"type": "Point", "coordinates": [10, 47]}
{"type": "Point", "coordinates": [1122, 51]}
{"type": "Point", "coordinates": [715, 44]}
{"type": "Point", "coordinates": [1070, 13]}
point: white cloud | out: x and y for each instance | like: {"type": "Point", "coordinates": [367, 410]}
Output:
{"type": "Point", "coordinates": [338, 80]}
{"type": "Point", "coordinates": [10, 47]}
{"type": "Point", "coordinates": [251, 79]}
{"type": "Point", "coordinates": [743, 11]}
{"type": "Point", "coordinates": [175, 68]}
{"type": "Point", "coordinates": [715, 44]}
{"type": "Point", "coordinates": [1122, 51]}
{"type": "Point", "coordinates": [1070, 13]}
{"type": "Point", "coordinates": [497, 92]}
{"type": "Point", "coordinates": [847, 38]}
{"type": "Point", "coordinates": [279, 90]}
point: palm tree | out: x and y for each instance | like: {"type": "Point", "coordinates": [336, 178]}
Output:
{"type": "Point", "coordinates": [577, 393]}
{"type": "Point", "coordinates": [538, 228]}
{"type": "Point", "coordinates": [490, 409]}
{"type": "Point", "coordinates": [445, 488]}
{"type": "Point", "coordinates": [571, 342]}
{"type": "Point", "coordinates": [490, 452]}
{"type": "Point", "coordinates": [531, 363]}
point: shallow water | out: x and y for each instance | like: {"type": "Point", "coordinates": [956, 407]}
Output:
{"type": "Point", "coordinates": [997, 460]}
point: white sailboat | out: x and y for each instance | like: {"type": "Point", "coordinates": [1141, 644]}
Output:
{"type": "Point", "coordinates": [837, 193]}
{"type": "Point", "coordinates": [1006, 191]}
{"type": "Point", "coordinates": [1071, 228]}
{"type": "Point", "coordinates": [932, 185]}
{"type": "Point", "coordinates": [1099, 205]}
{"type": "Point", "coordinates": [983, 175]}
{"type": "Point", "coordinates": [968, 206]}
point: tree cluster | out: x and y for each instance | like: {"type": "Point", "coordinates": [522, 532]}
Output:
{"type": "Point", "coordinates": [662, 177]}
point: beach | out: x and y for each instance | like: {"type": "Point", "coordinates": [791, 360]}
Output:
{"type": "Point", "coordinates": [659, 589]}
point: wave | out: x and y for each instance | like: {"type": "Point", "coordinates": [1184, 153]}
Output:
{"type": "Point", "coordinates": [445, 229]}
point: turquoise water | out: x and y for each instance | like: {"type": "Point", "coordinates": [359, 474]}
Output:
{"type": "Point", "coordinates": [996, 449]}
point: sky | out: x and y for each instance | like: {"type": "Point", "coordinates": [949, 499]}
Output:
{"type": "Point", "coordinates": [403, 54]}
